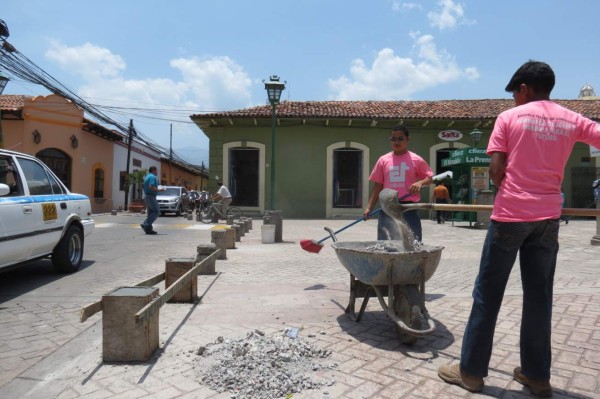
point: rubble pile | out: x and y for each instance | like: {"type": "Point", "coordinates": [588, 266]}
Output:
{"type": "Point", "coordinates": [258, 366]}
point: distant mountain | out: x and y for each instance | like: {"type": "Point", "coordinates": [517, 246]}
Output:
{"type": "Point", "coordinates": [193, 155]}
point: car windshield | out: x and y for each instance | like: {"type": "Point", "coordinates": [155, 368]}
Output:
{"type": "Point", "coordinates": [172, 191]}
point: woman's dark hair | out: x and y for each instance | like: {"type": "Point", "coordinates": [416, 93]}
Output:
{"type": "Point", "coordinates": [400, 128]}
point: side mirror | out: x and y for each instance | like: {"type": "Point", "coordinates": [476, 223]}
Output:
{"type": "Point", "coordinates": [4, 189]}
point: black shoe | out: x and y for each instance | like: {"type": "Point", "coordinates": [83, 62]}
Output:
{"type": "Point", "coordinates": [151, 232]}
{"type": "Point", "coordinates": [144, 227]}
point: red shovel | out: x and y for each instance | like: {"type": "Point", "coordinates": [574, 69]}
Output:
{"type": "Point", "coordinates": [315, 246]}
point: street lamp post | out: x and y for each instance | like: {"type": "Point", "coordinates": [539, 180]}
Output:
{"type": "Point", "coordinates": [274, 88]}
{"type": "Point", "coordinates": [3, 82]}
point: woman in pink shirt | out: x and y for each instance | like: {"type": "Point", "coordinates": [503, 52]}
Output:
{"type": "Point", "coordinates": [529, 147]}
{"type": "Point", "coordinates": [404, 171]}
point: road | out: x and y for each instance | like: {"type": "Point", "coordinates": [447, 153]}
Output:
{"type": "Point", "coordinates": [39, 309]}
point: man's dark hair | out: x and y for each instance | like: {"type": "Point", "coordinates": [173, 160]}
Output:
{"type": "Point", "coordinates": [535, 74]}
{"type": "Point", "coordinates": [400, 128]}
{"type": "Point", "coordinates": [152, 169]}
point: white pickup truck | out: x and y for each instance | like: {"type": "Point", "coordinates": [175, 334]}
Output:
{"type": "Point", "coordinates": [39, 216]}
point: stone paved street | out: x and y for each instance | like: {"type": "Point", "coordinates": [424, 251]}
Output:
{"type": "Point", "coordinates": [274, 286]}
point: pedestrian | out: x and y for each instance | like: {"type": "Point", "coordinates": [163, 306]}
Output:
{"type": "Point", "coordinates": [441, 196]}
{"type": "Point", "coordinates": [151, 187]}
{"type": "Point", "coordinates": [529, 147]}
{"type": "Point", "coordinates": [224, 196]}
{"type": "Point", "coordinates": [563, 203]}
{"type": "Point", "coordinates": [404, 171]}
{"type": "Point", "coordinates": [596, 185]}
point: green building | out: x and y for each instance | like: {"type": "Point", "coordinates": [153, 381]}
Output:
{"type": "Point", "coordinates": [324, 150]}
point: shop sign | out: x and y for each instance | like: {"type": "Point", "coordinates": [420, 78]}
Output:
{"type": "Point", "coordinates": [594, 152]}
{"type": "Point", "coordinates": [450, 135]}
{"type": "Point", "coordinates": [467, 156]}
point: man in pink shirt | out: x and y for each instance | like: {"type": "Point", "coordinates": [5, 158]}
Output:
{"type": "Point", "coordinates": [529, 147]}
{"type": "Point", "coordinates": [404, 171]}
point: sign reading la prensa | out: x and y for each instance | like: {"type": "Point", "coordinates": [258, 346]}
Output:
{"type": "Point", "coordinates": [450, 135]}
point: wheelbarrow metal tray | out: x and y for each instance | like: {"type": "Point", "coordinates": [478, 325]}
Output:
{"type": "Point", "coordinates": [370, 266]}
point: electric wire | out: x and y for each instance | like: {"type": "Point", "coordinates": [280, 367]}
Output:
{"type": "Point", "coordinates": [18, 65]}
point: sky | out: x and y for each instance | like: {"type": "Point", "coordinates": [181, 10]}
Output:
{"type": "Point", "coordinates": [158, 62]}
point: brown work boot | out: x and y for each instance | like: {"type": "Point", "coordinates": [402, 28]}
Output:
{"type": "Point", "coordinates": [453, 375]}
{"type": "Point", "coordinates": [538, 387]}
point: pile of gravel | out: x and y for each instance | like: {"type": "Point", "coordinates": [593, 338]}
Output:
{"type": "Point", "coordinates": [258, 366]}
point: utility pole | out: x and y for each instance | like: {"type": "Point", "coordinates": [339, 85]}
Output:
{"type": "Point", "coordinates": [171, 155]}
{"type": "Point", "coordinates": [129, 140]}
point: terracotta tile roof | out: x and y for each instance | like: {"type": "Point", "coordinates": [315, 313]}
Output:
{"type": "Point", "coordinates": [444, 109]}
{"type": "Point", "coordinates": [13, 102]}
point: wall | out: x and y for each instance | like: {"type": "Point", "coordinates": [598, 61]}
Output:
{"type": "Point", "coordinates": [301, 160]}
{"type": "Point", "coordinates": [57, 120]}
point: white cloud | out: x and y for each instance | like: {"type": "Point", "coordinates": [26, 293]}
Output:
{"type": "Point", "coordinates": [216, 83]}
{"type": "Point", "coordinates": [91, 62]}
{"type": "Point", "coordinates": [392, 77]}
{"type": "Point", "coordinates": [398, 5]}
{"type": "Point", "coordinates": [212, 83]}
{"type": "Point", "coordinates": [450, 15]}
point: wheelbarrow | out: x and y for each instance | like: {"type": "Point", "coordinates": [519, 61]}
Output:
{"type": "Point", "coordinates": [385, 268]}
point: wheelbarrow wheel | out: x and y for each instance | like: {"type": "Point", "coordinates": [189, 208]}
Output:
{"type": "Point", "coordinates": [406, 307]}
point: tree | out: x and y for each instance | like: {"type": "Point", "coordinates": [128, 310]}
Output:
{"type": "Point", "coordinates": [136, 179]}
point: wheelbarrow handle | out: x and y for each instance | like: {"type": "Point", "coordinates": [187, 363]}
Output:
{"type": "Point", "coordinates": [333, 233]}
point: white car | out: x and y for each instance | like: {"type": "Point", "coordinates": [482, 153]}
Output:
{"type": "Point", "coordinates": [173, 199]}
{"type": "Point", "coordinates": [39, 216]}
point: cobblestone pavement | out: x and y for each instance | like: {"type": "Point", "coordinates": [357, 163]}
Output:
{"type": "Point", "coordinates": [274, 286]}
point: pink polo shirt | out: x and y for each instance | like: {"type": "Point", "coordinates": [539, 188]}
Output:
{"type": "Point", "coordinates": [399, 172]}
{"type": "Point", "coordinates": [538, 138]}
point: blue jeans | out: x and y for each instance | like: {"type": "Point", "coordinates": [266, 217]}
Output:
{"type": "Point", "coordinates": [153, 210]}
{"type": "Point", "coordinates": [537, 246]}
{"type": "Point", "coordinates": [387, 229]}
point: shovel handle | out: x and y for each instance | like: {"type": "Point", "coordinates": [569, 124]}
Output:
{"type": "Point", "coordinates": [372, 213]}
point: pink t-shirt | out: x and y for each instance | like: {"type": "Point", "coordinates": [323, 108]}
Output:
{"type": "Point", "coordinates": [538, 138]}
{"type": "Point", "coordinates": [399, 172]}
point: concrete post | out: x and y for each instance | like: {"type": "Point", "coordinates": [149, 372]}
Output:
{"type": "Point", "coordinates": [247, 224]}
{"type": "Point", "coordinates": [250, 223]}
{"type": "Point", "coordinates": [203, 251]}
{"type": "Point", "coordinates": [277, 220]}
{"type": "Point", "coordinates": [174, 269]}
{"type": "Point", "coordinates": [242, 230]}
{"type": "Point", "coordinates": [229, 238]}
{"type": "Point", "coordinates": [218, 238]}
{"type": "Point", "coordinates": [229, 220]}
{"type": "Point", "coordinates": [123, 340]}
{"type": "Point", "coordinates": [236, 229]}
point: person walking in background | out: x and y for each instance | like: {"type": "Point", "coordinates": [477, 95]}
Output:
{"type": "Point", "coordinates": [563, 204]}
{"type": "Point", "coordinates": [404, 171]}
{"type": "Point", "coordinates": [441, 196]}
{"type": "Point", "coordinates": [150, 190]}
{"type": "Point", "coordinates": [525, 221]}
{"type": "Point", "coordinates": [224, 196]}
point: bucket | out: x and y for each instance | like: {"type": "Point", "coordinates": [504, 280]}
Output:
{"type": "Point", "coordinates": [268, 233]}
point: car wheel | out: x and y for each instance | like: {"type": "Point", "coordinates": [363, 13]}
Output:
{"type": "Point", "coordinates": [68, 254]}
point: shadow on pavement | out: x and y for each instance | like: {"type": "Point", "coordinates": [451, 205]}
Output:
{"type": "Point", "coordinates": [31, 276]}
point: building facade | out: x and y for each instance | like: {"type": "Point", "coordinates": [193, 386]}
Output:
{"type": "Point", "coordinates": [324, 150]}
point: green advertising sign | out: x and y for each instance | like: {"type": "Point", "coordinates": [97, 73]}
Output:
{"type": "Point", "coordinates": [467, 156]}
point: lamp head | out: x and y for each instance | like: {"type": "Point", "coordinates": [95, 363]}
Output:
{"type": "Point", "coordinates": [475, 136]}
{"type": "Point", "coordinates": [274, 88]}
